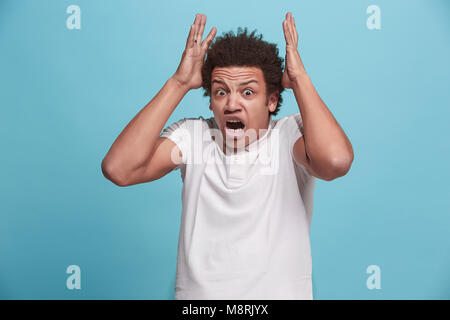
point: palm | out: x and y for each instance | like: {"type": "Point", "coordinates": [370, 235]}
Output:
{"type": "Point", "coordinates": [189, 70]}
{"type": "Point", "coordinates": [293, 63]}
{"type": "Point", "coordinates": [285, 81]}
{"type": "Point", "coordinates": [289, 69]}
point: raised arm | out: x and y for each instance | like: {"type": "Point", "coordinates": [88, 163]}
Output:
{"type": "Point", "coordinates": [138, 154]}
{"type": "Point", "coordinates": [324, 149]}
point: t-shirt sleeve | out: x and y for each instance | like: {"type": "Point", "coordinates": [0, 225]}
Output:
{"type": "Point", "coordinates": [179, 132]}
{"type": "Point", "coordinates": [295, 129]}
{"type": "Point", "coordinates": [294, 132]}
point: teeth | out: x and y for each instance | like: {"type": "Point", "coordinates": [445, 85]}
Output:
{"type": "Point", "coordinates": [234, 121]}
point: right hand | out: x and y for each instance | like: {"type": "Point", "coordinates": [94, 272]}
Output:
{"type": "Point", "coordinates": [189, 72]}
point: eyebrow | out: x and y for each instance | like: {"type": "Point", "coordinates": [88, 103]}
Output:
{"type": "Point", "coordinates": [240, 84]}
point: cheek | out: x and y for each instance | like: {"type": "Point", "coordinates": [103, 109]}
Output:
{"type": "Point", "coordinates": [257, 103]}
{"type": "Point", "coordinates": [217, 101]}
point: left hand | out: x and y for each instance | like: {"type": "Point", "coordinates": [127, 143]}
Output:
{"type": "Point", "coordinates": [293, 67]}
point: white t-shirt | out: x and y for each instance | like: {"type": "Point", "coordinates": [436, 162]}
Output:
{"type": "Point", "coordinates": [246, 217]}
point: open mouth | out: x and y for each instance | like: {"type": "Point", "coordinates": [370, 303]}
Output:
{"type": "Point", "coordinates": [235, 124]}
{"type": "Point", "coordinates": [234, 128]}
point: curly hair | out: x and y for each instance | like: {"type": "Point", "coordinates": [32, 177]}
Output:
{"type": "Point", "coordinates": [247, 50]}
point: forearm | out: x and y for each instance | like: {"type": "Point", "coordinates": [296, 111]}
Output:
{"type": "Point", "coordinates": [133, 146]}
{"type": "Point", "coordinates": [326, 144]}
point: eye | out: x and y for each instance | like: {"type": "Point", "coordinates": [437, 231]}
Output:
{"type": "Point", "coordinates": [248, 92]}
{"type": "Point", "coordinates": [219, 91]}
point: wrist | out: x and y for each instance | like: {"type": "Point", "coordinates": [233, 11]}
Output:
{"type": "Point", "coordinates": [300, 79]}
{"type": "Point", "coordinates": [178, 84]}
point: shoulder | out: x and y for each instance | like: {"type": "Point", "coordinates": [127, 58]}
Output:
{"type": "Point", "coordinates": [193, 120]}
{"type": "Point", "coordinates": [286, 120]}
{"type": "Point", "coordinates": [199, 121]}
{"type": "Point", "coordinates": [290, 123]}
{"type": "Point", "coordinates": [188, 124]}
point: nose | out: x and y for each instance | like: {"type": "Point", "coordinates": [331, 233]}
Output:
{"type": "Point", "coordinates": [233, 102]}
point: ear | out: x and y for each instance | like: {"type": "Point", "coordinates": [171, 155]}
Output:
{"type": "Point", "coordinates": [210, 107]}
{"type": "Point", "coordinates": [273, 101]}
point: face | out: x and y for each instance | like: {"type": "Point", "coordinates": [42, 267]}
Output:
{"type": "Point", "coordinates": [240, 104]}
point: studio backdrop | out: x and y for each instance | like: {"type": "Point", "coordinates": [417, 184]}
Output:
{"type": "Point", "coordinates": [74, 73]}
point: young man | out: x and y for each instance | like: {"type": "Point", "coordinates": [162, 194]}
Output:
{"type": "Point", "coordinates": [248, 180]}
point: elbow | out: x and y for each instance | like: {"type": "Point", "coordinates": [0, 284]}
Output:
{"type": "Point", "coordinates": [112, 173]}
{"type": "Point", "coordinates": [339, 167]}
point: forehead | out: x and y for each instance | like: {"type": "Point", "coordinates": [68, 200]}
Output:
{"type": "Point", "coordinates": [232, 74]}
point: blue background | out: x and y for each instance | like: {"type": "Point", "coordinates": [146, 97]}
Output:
{"type": "Point", "coordinates": [66, 95]}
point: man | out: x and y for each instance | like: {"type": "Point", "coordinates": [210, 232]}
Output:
{"type": "Point", "coordinates": [248, 180]}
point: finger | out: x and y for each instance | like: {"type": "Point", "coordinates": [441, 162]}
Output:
{"type": "Point", "coordinates": [194, 37]}
{"type": "Point", "coordinates": [286, 25]}
{"type": "Point", "coordinates": [295, 29]}
{"type": "Point", "coordinates": [285, 31]}
{"type": "Point", "coordinates": [288, 35]}
{"type": "Point", "coordinates": [207, 42]}
{"type": "Point", "coordinates": [290, 28]}
{"type": "Point", "coordinates": [198, 24]}
{"type": "Point", "coordinates": [190, 38]}
{"type": "Point", "coordinates": [288, 19]}
{"type": "Point", "coordinates": [202, 28]}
